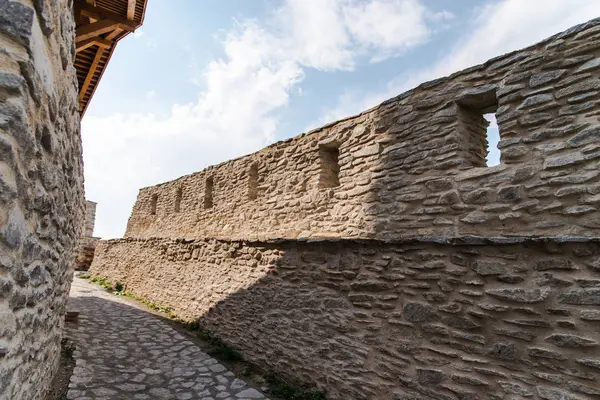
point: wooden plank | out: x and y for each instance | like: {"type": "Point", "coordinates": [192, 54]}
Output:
{"type": "Point", "coordinates": [101, 13]}
{"type": "Point", "coordinates": [89, 31]}
{"type": "Point", "coordinates": [90, 74]}
{"type": "Point", "coordinates": [131, 9]}
{"type": "Point", "coordinates": [97, 41]}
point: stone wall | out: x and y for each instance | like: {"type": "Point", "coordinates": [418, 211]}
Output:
{"type": "Point", "coordinates": [90, 218]}
{"type": "Point", "coordinates": [87, 243]}
{"type": "Point", "coordinates": [41, 189]}
{"type": "Point", "coordinates": [415, 165]}
{"type": "Point", "coordinates": [373, 320]}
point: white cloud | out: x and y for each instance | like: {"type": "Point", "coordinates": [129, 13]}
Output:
{"type": "Point", "coordinates": [236, 110]}
{"type": "Point", "coordinates": [370, 25]}
{"type": "Point", "coordinates": [334, 34]}
{"type": "Point", "coordinates": [498, 28]}
{"type": "Point", "coordinates": [138, 34]}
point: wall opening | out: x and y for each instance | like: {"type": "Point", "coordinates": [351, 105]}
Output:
{"type": "Point", "coordinates": [253, 182]}
{"type": "Point", "coordinates": [493, 137]}
{"type": "Point", "coordinates": [478, 128]}
{"type": "Point", "coordinates": [153, 203]}
{"type": "Point", "coordinates": [178, 196]}
{"type": "Point", "coordinates": [329, 158]}
{"type": "Point", "coordinates": [208, 192]}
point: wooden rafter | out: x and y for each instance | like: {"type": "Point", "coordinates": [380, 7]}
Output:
{"type": "Point", "coordinates": [114, 34]}
{"type": "Point", "coordinates": [89, 31]}
{"type": "Point", "coordinates": [130, 9]}
{"type": "Point", "coordinates": [90, 74]}
{"type": "Point", "coordinates": [100, 25]}
{"type": "Point", "coordinates": [95, 63]}
{"type": "Point", "coordinates": [95, 41]}
{"type": "Point", "coordinates": [98, 13]}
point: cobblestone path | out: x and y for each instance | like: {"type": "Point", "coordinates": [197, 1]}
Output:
{"type": "Point", "coordinates": [123, 352]}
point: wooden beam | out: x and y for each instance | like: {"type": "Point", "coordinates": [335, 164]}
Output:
{"type": "Point", "coordinates": [114, 34]}
{"type": "Point", "coordinates": [89, 31]}
{"type": "Point", "coordinates": [90, 74]}
{"type": "Point", "coordinates": [95, 41]}
{"type": "Point", "coordinates": [130, 9]}
{"type": "Point", "coordinates": [100, 13]}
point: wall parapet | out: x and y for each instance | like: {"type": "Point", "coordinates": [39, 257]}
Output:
{"type": "Point", "coordinates": [414, 166]}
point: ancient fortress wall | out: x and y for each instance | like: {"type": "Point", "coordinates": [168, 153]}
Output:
{"type": "Point", "coordinates": [450, 280]}
{"type": "Point", "coordinates": [41, 189]}
{"type": "Point", "coordinates": [87, 242]}
{"type": "Point", "coordinates": [373, 320]}
{"type": "Point", "coordinates": [415, 165]}
{"type": "Point", "coordinates": [90, 218]}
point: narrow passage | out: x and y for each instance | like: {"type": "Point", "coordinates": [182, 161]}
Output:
{"type": "Point", "coordinates": [124, 352]}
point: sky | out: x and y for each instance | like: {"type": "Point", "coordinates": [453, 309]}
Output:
{"type": "Point", "coordinates": [204, 81]}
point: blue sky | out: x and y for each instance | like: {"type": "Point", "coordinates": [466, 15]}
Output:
{"type": "Point", "coordinates": [204, 81]}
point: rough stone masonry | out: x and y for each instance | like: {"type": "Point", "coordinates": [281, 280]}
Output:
{"type": "Point", "coordinates": [41, 189]}
{"type": "Point", "coordinates": [379, 258]}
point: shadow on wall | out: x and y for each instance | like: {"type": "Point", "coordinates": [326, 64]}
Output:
{"type": "Point", "coordinates": [369, 320]}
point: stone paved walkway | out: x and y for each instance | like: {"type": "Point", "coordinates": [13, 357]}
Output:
{"type": "Point", "coordinates": [124, 352]}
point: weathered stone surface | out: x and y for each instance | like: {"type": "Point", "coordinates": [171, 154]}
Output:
{"type": "Point", "coordinates": [566, 340]}
{"type": "Point", "coordinates": [490, 267]}
{"type": "Point", "coordinates": [505, 351]}
{"type": "Point", "coordinates": [547, 393]}
{"type": "Point", "coordinates": [419, 312]}
{"type": "Point", "coordinates": [16, 20]}
{"type": "Point", "coordinates": [589, 135]}
{"type": "Point", "coordinates": [545, 353]}
{"type": "Point", "coordinates": [428, 376]}
{"type": "Point", "coordinates": [545, 77]}
{"type": "Point", "coordinates": [561, 161]}
{"type": "Point", "coordinates": [509, 193]}
{"type": "Point", "coordinates": [589, 296]}
{"type": "Point", "coordinates": [41, 190]}
{"type": "Point", "coordinates": [521, 295]}
{"type": "Point", "coordinates": [515, 388]}
{"type": "Point", "coordinates": [592, 64]}
{"type": "Point", "coordinates": [589, 362]}
{"type": "Point", "coordinates": [553, 264]}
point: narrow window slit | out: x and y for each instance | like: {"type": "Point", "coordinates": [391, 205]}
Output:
{"type": "Point", "coordinates": [208, 193]}
{"type": "Point", "coordinates": [253, 182]}
{"type": "Point", "coordinates": [153, 202]}
{"type": "Point", "coordinates": [493, 137]}
{"type": "Point", "coordinates": [478, 129]}
{"type": "Point", "coordinates": [329, 156]}
{"type": "Point", "coordinates": [178, 196]}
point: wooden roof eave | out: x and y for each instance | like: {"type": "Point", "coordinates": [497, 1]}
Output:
{"type": "Point", "coordinates": [100, 25]}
